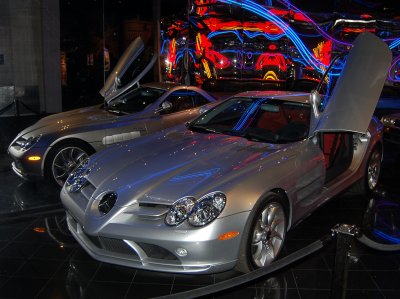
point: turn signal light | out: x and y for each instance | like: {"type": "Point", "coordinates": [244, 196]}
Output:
{"type": "Point", "coordinates": [227, 236]}
{"type": "Point", "coordinates": [34, 158]}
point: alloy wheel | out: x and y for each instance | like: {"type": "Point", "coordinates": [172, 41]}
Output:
{"type": "Point", "coordinates": [66, 160]}
{"type": "Point", "coordinates": [268, 234]}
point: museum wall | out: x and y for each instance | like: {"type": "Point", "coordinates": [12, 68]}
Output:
{"type": "Point", "coordinates": [29, 57]}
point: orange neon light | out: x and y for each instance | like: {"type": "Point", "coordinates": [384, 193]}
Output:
{"type": "Point", "coordinates": [323, 52]}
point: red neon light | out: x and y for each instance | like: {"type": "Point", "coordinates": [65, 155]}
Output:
{"type": "Point", "coordinates": [279, 12]}
{"type": "Point", "coordinates": [202, 8]}
{"type": "Point", "coordinates": [366, 16]}
{"type": "Point", "coordinates": [289, 14]}
{"type": "Point", "coordinates": [215, 24]}
{"type": "Point", "coordinates": [204, 48]}
{"type": "Point", "coordinates": [271, 59]}
{"type": "Point", "coordinates": [272, 47]}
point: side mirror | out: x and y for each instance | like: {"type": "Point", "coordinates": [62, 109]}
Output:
{"type": "Point", "coordinates": [203, 109]}
{"type": "Point", "coordinates": [117, 82]}
{"type": "Point", "coordinates": [315, 101]}
{"type": "Point", "coordinates": [165, 106]}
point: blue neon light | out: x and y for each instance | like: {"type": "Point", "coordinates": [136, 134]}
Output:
{"type": "Point", "coordinates": [202, 174]}
{"type": "Point", "coordinates": [250, 111]}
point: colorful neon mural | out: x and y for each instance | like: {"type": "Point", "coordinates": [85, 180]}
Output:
{"type": "Point", "coordinates": [261, 40]}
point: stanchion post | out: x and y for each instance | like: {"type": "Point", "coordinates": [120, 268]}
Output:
{"type": "Point", "coordinates": [344, 238]}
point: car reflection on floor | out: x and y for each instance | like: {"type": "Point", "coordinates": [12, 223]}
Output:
{"type": "Point", "coordinates": [30, 195]}
{"type": "Point", "coordinates": [381, 219]}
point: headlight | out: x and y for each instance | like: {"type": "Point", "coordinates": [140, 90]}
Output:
{"type": "Point", "coordinates": [179, 211]}
{"type": "Point", "coordinates": [198, 213]}
{"type": "Point", "coordinates": [207, 209]}
{"type": "Point", "coordinates": [26, 144]}
{"type": "Point", "coordinates": [78, 177]}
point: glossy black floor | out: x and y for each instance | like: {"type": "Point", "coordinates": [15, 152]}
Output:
{"type": "Point", "coordinates": [39, 259]}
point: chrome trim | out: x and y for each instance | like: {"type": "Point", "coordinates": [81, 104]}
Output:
{"type": "Point", "coordinates": [17, 171]}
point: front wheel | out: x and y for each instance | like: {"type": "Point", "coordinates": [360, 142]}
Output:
{"type": "Point", "coordinates": [63, 159]}
{"type": "Point", "coordinates": [264, 237]}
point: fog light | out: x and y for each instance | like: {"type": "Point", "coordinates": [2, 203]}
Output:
{"type": "Point", "coordinates": [34, 158]}
{"type": "Point", "coordinates": [181, 251]}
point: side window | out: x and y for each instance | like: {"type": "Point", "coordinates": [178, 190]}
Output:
{"type": "Point", "coordinates": [199, 100]}
{"type": "Point", "coordinates": [180, 101]}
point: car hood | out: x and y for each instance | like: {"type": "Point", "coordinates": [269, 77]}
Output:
{"type": "Point", "coordinates": [174, 165]}
{"type": "Point", "coordinates": [68, 119]}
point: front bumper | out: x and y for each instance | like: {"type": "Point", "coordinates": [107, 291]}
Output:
{"type": "Point", "coordinates": [29, 170]}
{"type": "Point", "coordinates": [132, 241]}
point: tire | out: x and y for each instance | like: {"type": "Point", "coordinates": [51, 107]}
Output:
{"type": "Point", "coordinates": [63, 158]}
{"type": "Point", "coordinates": [369, 183]}
{"type": "Point", "coordinates": [264, 234]}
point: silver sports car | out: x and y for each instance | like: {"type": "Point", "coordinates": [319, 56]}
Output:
{"type": "Point", "coordinates": [222, 191]}
{"type": "Point", "coordinates": [56, 144]}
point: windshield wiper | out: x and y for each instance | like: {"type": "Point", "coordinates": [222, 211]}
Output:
{"type": "Point", "coordinates": [262, 136]}
{"type": "Point", "coordinates": [197, 128]}
{"type": "Point", "coordinates": [115, 111]}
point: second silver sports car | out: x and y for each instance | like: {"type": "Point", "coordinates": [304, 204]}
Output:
{"type": "Point", "coordinates": [56, 144]}
{"type": "Point", "coordinates": [223, 191]}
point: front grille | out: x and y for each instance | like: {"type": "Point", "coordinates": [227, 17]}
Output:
{"type": "Point", "coordinates": [157, 252]}
{"type": "Point", "coordinates": [119, 246]}
{"type": "Point", "coordinates": [113, 245]}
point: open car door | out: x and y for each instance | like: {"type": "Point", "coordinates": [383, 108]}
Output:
{"type": "Point", "coordinates": [357, 91]}
{"type": "Point", "coordinates": [130, 68]}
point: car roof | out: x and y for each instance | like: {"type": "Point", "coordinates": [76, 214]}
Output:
{"type": "Point", "coordinates": [278, 95]}
{"type": "Point", "coordinates": [162, 85]}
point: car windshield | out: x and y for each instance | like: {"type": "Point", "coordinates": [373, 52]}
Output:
{"type": "Point", "coordinates": [265, 120]}
{"type": "Point", "coordinates": [135, 101]}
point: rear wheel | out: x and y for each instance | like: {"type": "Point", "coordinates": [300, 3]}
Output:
{"type": "Point", "coordinates": [369, 182]}
{"type": "Point", "coordinates": [264, 237]}
{"type": "Point", "coordinates": [63, 158]}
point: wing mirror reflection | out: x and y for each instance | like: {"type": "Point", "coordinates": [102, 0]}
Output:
{"type": "Point", "coordinates": [117, 82]}
{"type": "Point", "coordinates": [315, 101]}
{"type": "Point", "coordinates": [203, 109]}
{"type": "Point", "coordinates": [165, 106]}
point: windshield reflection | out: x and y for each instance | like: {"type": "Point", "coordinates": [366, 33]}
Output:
{"type": "Point", "coordinates": [265, 120]}
{"type": "Point", "coordinates": [135, 101]}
